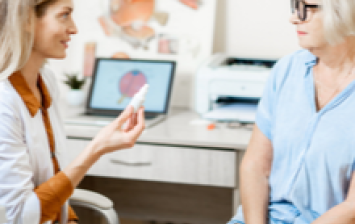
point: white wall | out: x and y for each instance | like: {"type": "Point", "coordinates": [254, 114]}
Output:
{"type": "Point", "coordinates": [254, 28]}
{"type": "Point", "coordinates": [243, 28]}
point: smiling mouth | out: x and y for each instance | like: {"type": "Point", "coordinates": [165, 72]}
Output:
{"type": "Point", "coordinates": [65, 43]}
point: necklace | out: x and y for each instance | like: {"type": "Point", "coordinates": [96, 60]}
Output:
{"type": "Point", "coordinates": [321, 101]}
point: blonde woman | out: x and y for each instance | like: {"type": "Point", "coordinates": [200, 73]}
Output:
{"type": "Point", "coordinates": [32, 187]}
{"type": "Point", "coordinates": [299, 166]}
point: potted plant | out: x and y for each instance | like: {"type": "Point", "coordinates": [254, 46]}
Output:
{"type": "Point", "coordinates": [76, 95]}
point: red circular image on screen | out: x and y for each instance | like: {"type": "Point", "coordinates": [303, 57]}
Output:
{"type": "Point", "coordinates": [131, 83]}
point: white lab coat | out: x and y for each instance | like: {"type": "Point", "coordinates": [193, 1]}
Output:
{"type": "Point", "coordinates": [25, 160]}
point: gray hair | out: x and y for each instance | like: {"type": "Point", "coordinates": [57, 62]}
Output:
{"type": "Point", "coordinates": [339, 19]}
{"type": "Point", "coordinates": [17, 32]}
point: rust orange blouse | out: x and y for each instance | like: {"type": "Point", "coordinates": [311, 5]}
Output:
{"type": "Point", "coordinates": [53, 193]}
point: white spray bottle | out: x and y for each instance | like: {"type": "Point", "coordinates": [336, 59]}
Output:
{"type": "Point", "coordinates": [137, 101]}
{"type": "Point", "coordinates": [138, 98]}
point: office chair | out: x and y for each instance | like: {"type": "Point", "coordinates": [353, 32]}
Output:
{"type": "Point", "coordinates": [86, 199]}
{"type": "Point", "coordinates": [96, 202]}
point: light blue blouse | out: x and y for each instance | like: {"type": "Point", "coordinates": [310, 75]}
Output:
{"type": "Point", "coordinates": [313, 152]}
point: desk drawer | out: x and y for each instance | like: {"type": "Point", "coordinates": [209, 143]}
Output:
{"type": "Point", "coordinates": [162, 163]}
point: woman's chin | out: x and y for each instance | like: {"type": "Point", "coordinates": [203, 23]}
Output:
{"type": "Point", "coordinates": [304, 45]}
{"type": "Point", "coordinates": [58, 56]}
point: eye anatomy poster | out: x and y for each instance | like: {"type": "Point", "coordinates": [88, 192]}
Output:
{"type": "Point", "coordinates": [180, 30]}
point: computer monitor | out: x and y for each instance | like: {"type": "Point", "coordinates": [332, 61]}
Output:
{"type": "Point", "coordinates": [115, 81]}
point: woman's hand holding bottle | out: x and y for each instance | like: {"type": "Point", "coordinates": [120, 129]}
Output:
{"type": "Point", "coordinates": [117, 135]}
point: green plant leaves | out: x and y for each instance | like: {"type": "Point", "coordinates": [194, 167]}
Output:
{"type": "Point", "coordinates": [73, 82]}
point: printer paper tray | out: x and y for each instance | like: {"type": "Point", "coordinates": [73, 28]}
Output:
{"type": "Point", "coordinates": [241, 112]}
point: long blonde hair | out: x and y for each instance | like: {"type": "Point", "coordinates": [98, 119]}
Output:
{"type": "Point", "coordinates": [17, 32]}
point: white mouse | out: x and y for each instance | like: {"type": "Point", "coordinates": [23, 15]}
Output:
{"type": "Point", "coordinates": [138, 98]}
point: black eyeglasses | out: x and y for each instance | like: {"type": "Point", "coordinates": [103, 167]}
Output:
{"type": "Point", "coordinates": [301, 7]}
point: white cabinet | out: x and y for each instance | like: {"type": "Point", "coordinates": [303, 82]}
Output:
{"type": "Point", "coordinates": [162, 163]}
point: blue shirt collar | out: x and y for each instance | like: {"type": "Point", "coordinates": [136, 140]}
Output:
{"type": "Point", "coordinates": [310, 59]}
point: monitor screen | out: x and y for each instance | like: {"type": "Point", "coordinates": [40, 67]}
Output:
{"type": "Point", "coordinates": [116, 81]}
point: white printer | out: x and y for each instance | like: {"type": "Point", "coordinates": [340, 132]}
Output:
{"type": "Point", "coordinates": [223, 80]}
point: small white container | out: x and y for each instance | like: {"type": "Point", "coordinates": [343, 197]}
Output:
{"type": "Point", "coordinates": [75, 97]}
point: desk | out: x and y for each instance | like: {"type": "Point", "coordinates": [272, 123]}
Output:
{"type": "Point", "coordinates": [176, 172]}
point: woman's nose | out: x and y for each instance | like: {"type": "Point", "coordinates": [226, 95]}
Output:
{"type": "Point", "coordinates": [73, 28]}
{"type": "Point", "coordinates": [294, 18]}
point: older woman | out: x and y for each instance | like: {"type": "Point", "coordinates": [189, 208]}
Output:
{"type": "Point", "coordinates": [299, 165]}
{"type": "Point", "coordinates": [33, 188]}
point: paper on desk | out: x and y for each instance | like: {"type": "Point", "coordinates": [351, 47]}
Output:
{"type": "Point", "coordinates": [200, 122]}
{"type": "Point", "coordinates": [242, 112]}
